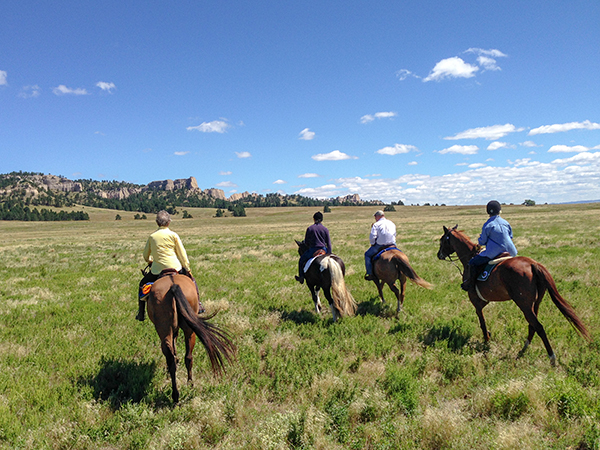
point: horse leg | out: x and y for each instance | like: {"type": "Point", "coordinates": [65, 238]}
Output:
{"type": "Point", "coordinates": [536, 307]}
{"type": "Point", "coordinates": [400, 293]}
{"type": "Point", "coordinates": [314, 291]}
{"type": "Point", "coordinates": [479, 305]}
{"type": "Point", "coordinates": [167, 347]}
{"type": "Point", "coordinates": [379, 285]}
{"type": "Point", "coordinates": [190, 342]}
{"type": "Point", "coordinates": [334, 312]}
{"type": "Point", "coordinates": [537, 327]}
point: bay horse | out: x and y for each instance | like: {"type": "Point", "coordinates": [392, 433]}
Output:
{"type": "Point", "coordinates": [393, 265]}
{"type": "Point", "coordinates": [521, 279]}
{"type": "Point", "coordinates": [327, 272]}
{"type": "Point", "coordinates": [173, 305]}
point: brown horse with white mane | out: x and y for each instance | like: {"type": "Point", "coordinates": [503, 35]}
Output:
{"type": "Point", "coordinates": [173, 305]}
{"type": "Point", "coordinates": [393, 265]}
{"type": "Point", "coordinates": [521, 279]}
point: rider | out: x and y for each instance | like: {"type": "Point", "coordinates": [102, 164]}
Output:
{"type": "Point", "coordinates": [496, 235]}
{"type": "Point", "coordinates": [316, 238]}
{"type": "Point", "coordinates": [383, 234]}
{"type": "Point", "coordinates": [164, 250]}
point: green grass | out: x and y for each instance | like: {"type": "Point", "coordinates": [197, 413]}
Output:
{"type": "Point", "coordinates": [78, 372]}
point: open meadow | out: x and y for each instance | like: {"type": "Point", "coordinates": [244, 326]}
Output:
{"type": "Point", "coordinates": [78, 372]}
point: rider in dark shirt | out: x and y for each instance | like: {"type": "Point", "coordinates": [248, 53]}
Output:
{"type": "Point", "coordinates": [316, 238]}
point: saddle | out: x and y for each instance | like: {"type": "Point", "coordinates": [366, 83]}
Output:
{"type": "Point", "coordinates": [484, 275]}
{"type": "Point", "coordinates": [383, 250]}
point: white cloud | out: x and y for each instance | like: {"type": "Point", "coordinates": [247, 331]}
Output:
{"type": "Point", "coordinates": [309, 175]}
{"type": "Point", "coordinates": [576, 178]}
{"type": "Point", "coordinates": [413, 163]}
{"type": "Point", "coordinates": [226, 184]}
{"type": "Point", "coordinates": [498, 145]}
{"type": "Point", "coordinates": [216, 126]}
{"type": "Point", "coordinates": [490, 133]}
{"type": "Point", "coordinates": [453, 67]}
{"type": "Point", "coordinates": [243, 154]}
{"type": "Point", "coordinates": [476, 165]}
{"type": "Point", "coordinates": [335, 155]}
{"type": "Point", "coordinates": [307, 135]}
{"type": "Point", "coordinates": [30, 91]}
{"type": "Point", "coordinates": [379, 115]}
{"type": "Point", "coordinates": [492, 52]}
{"type": "Point", "coordinates": [397, 149]}
{"type": "Point", "coordinates": [460, 149]}
{"type": "Point", "coordinates": [279, 182]}
{"type": "Point", "coordinates": [63, 90]}
{"type": "Point", "coordinates": [567, 149]}
{"type": "Point", "coordinates": [562, 127]}
{"type": "Point", "coordinates": [403, 74]}
{"type": "Point", "coordinates": [3, 76]}
{"type": "Point", "coordinates": [529, 144]}
{"type": "Point", "coordinates": [487, 58]}
{"type": "Point", "coordinates": [225, 173]}
{"type": "Point", "coordinates": [180, 153]}
{"type": "Point", "coordinates": [108, 87]}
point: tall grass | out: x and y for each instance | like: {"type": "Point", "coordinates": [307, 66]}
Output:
{"type": "Point", "coordinates": [78, 372]}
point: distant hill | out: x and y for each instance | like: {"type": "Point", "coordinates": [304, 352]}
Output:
{"type": "Point", "coordinates": [33, 189]}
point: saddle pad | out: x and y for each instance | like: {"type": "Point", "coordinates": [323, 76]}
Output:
{"type": "Point", "coordinates": [145, 290]}
{"type": "Point", "coordinates": [483, 276]}
{"type": "Point", "coordinates": [310, 261]}
{"type": "Point", "coordinates": [378, 255]}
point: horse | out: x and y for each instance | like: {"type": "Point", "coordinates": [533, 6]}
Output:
{"type": "Point", "coordinates": [519, 278]}
{"type": "Point", "coordinates": [327, 272]}
{"type": "Point", "coordinates": [393, 265]}
{"type": "Point", "coordinates": [173, 305]}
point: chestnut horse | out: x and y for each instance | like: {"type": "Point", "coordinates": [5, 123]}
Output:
{"type": "Point", "coordinates": [327, 272]}
{"type": "Point", "coordinates": [393, 265]}
{"type": "Point", "coordinates": [521, 279]}
{"type": "Point", "coordinates": [173, 304]}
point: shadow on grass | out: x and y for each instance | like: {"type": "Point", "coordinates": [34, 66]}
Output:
{"type": "Point", "coordinates": [119, 381]}
{"type": "Point", "coordinates": [455, 337]}
{"type": "Point", "coordinates": [374, 307]}
{"type": "Point", "coordinates": [300, 317]}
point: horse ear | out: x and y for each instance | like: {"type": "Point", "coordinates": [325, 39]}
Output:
{"type": "Point", "coordinates": [445, 229]}
{"type": "Point", "coordinates": [298, 242]}
{"type": "Point", "coordinates": [455, 227]}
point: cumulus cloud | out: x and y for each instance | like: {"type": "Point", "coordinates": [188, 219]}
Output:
{"type": "Point", "coordinates": [64, 90]}
{"type": "Point", "coordinates": [379, 115]}
{"type": "Point", "coordinates": [30, 91]}
{"type": "Point", "coordinates": [180, 153]}
{"type": "Point", "coordinates": [490, 133]}
{"type": "Point", "coordinates": [216, 126]}
{"type": "Point", "coordinates": [309, 175]}
{"type": "Point", "coordinates": [453, 67]}
{"type": "Point", "coordinates": [413, 163]}
{"type": "Point", "coordinates": [569, 179]}
{"type": "Point", "coordinates": [460, 149]}
{"type": "Point", "coordinates": [397, 149]}
{"type": "Point", "coordinates": [225, 172]}
{"type": "Point", "coordinates": [487, 58]}
{"type": "Point", "coordinates": [568, 149]}
{"type": "Point", "coordinates": [243, 154]}
{"type": "Point", "coordinates": [3, 78]}
{"type": "Point", "coordinates": [529, 144]}
{"type": "Point", "coordinates": [108, 87]}
{"type": "Point", "coordinates": [562, 127]}
{"type": "Point", "coordinates": [307, 135]}
{"type": "Point", "coordinates": [226, 184]}
{"type": "Point", "coordinates": [335, 155]}
{"type": "Point", "coordinates": [498, 145]}
{"type": "Point", "coordinates": [279, 182]}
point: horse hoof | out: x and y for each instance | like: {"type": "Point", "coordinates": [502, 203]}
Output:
{"type": "Point", "coordinates": [553, 360]}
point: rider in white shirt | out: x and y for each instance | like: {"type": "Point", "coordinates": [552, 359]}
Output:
{"type": "Point", "coordinates": [383, 234]}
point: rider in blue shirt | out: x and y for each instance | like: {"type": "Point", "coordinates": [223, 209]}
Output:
{"type": "Point", "coordinates": [496, 235]}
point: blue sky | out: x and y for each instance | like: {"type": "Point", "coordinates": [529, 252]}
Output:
{"type": "Point", "coordinates": [421, 101]}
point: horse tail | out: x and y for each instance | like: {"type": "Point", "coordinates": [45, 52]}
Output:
{"type": "Point", "coordinates": [342, 298]}
{"type": "Point", "coordinates": [216, 340]}
{"type": "Point", "coordinates": [405, 268]}
{"type": "Point", "coordinates": [547, 282]}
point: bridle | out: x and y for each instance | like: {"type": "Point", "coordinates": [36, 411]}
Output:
{"type": "Point", "coordinates": [449, 258]}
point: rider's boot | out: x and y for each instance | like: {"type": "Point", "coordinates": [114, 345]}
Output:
{"type": "Point", "coordinates": [469, 278]}
{"type": "Point", "coordinates": [141, 315]}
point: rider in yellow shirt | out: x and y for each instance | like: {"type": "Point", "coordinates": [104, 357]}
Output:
{"type": "Point", "coordinates": [164, 250]}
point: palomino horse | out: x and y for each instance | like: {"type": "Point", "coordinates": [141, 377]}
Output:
{"type": "Point", "coordinates": [521, 279]}
{"type": "Point", "coordinates": [327, 272]}
{"type": "Point", "coordinates": [393, 265]}
{"type": "Point", "coordinates": [173, 304]}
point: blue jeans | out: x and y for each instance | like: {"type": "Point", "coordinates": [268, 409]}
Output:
{"type": "Point", "coordinates": [372, 251]}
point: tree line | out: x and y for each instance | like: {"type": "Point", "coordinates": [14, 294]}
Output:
{"type": "Point", "coordinates": [16, 211]}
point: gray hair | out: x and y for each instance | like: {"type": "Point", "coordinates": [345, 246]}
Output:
{"type": "Point", "coordinates": [163, 218]}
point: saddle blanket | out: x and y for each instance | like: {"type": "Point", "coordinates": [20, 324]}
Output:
{"type": "Point", "coordinates": [483, 276]}
{"type": "Point", "coordinates": [145, 290]}
{"type": "Point", "coordinates": [378, 255]}
{"type": "Point", "coordinates": [309, 262]}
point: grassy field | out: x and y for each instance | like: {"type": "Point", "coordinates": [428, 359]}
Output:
{"type": "Point", "coordinates": [78, 372]}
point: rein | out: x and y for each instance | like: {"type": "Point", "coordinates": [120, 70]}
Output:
{"type": "Point", "coordinates": [453, 262]}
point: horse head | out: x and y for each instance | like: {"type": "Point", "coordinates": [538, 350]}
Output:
{"type": "Point", "coordinates": [446, 247]}
{"type": "Point", "coordinates": [302, 247]}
